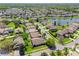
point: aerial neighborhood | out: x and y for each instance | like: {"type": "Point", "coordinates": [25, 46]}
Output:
{"type": "Point", "coordinates": [39, 30]}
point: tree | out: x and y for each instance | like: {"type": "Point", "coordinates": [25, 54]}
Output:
{"type": "Point", "coordinates": [44, 54]}
{"type": "Point", "coordinates": [39, 30]}
{"type": "Point", "coordinates": [55, 23]}
{"type": "Point", "coordinates": [59, 53]}
{"type": "Point", "coordinates": [50, 43]}
{"type": "Point", "coordinates": [37, 19]}
{"type": "Point", "coordinates": [30, 20]}
{"type": "Point", "coordinates": [66, 51]}
{"type": "Point", "coordinates": [52, 54]}
{"type": "Point", "coordinates": [37, 27]}
{"type": "Point", "coordinates": [25, 35]}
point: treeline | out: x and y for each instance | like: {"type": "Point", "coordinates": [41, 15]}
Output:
{"type": "Point", "coordinates": [23, 5]}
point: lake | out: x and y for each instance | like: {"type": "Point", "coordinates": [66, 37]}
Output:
{"type": "Point", "coordinates": [66, 21]}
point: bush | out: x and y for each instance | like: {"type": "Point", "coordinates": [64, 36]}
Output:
{"type": "Point", "coordinates": [66, 51]}
{"type": "Point", "coordinates": [25, 35]}
{"type": "Point", "coordinates": [59, 53]}
{"type": "Point", "coordinates": [53, 53]}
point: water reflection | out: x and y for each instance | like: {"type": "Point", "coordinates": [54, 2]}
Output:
{"type": "Point", "coordinates": [66, 21]}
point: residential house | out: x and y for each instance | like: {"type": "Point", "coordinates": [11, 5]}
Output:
{"type": "Point", "coordinates": [37, 41]}
{"type": "Point", "coordinates": [72, 28]}
{"type": "Point", "coordinates": [18, 44]}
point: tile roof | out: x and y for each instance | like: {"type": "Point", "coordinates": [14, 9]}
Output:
{"type": "Point", "coordinates": [37, 41]}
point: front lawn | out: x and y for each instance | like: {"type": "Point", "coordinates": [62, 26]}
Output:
{"type": "Point", "coordinates": [6, 44]}
{"type": "Point", "coordinates": [59, 27]}
{"type": "Point", "coordinates": [66, 40]}
{"type": "Point", "coordinates": [11, 24]}
{"type": "Point", "coordinates": [57, 53]}
{"type": "Point", "coordinates": [36, 49]}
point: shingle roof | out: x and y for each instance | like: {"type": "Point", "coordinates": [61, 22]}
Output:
{"type": "Point", "coordinates": [28, 24]}
{"type": "Point", "coordinates": [2, 31]}
{"type": "Point", "coordinates": [35, 34]}
{"type": "Point", "coordinates": [37, 41]}
{"type": "Point", "coordinates": [32, 30]}
{"type": "Point", "coordinates": [18, 41]}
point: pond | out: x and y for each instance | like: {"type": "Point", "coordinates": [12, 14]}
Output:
{"type": "Point", "coordinates": [66, 21]}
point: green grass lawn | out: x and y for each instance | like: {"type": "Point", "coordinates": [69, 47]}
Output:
{"type": "Point", "coordinates": [36, 49]}
{"type": "Point", "coordinates": [5, 42]}
{"type": "Point", "coordinates": [56, 53]}
{"type": "Point", "coordinates": [59, 27]}
{"type": "Point", "coordinates": [76, 17]}
{"type": "Point", "coordinates": [66, 40]}
{"type": "Point", "coordinates": [11, 24]}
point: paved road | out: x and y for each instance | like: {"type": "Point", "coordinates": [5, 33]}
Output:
{"type": "Point", "coordinates": [70, 45]}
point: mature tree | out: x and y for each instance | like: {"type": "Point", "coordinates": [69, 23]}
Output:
{"type": "Point", "coordinates": [30, 20]}
{"type": "Point", "coordinates": [37, 27]}
{"type": "Point", "coordinates": [39, 30]}
{"type": "Point", "coordinates": [50, 43]}
{"type": "Point", "coordinates": [53, 53]}
{"type": "Point", "coordinates": [25, 35]}
{"type": "Point", "coordinates": [66, 51]}
{"type": "Point", "coordinates": [37, 19]}
{"type": "Point", "coordinates": [59, 53]}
